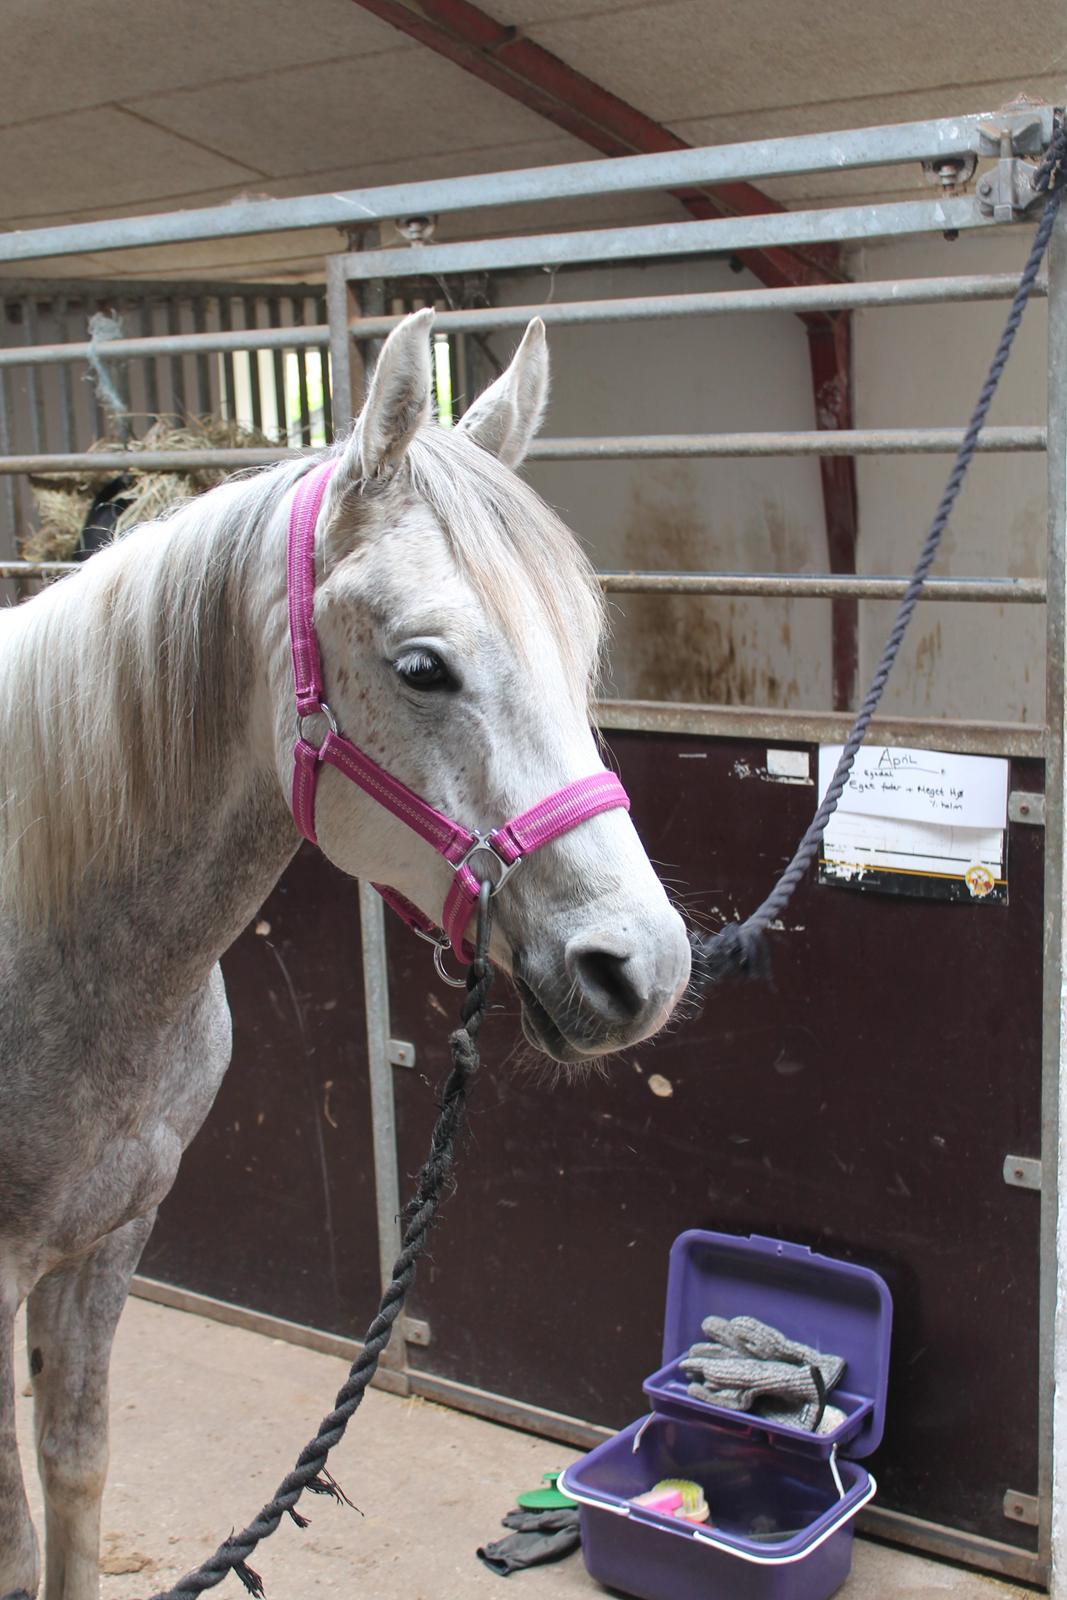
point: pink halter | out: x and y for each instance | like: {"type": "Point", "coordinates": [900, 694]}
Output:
{"type": "Point", "coordinates": [507, 846]}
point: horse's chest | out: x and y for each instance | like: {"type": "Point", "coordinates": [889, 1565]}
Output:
{"type": "Point", "coordinates": [99, 1095]}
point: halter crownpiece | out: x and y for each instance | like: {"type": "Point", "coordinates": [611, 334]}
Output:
{"type": "Point", "coordinates": [498, 852]}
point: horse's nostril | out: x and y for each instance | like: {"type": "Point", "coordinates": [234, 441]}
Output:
{"type": "Point", "coordinates": [607, 984]}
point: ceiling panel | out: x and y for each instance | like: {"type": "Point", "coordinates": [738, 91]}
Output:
{"type": "Point", "coordinates": [305, 119]}
{"type": "Point", "coordinates": [61, 54]}
{"type": "Point", "coordinates": [688, 59]}
{"type": "Point", "coordinates": [106, 156]}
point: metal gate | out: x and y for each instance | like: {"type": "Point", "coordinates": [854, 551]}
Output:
{"type": "Point", "coordinates": [880, 1143]}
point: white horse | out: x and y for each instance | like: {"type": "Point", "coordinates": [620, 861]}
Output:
{"type": "Point", "coordinates": [146, 757]}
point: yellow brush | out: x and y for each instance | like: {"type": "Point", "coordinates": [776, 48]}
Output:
{"type": "Point", "coordinates": [694, 1507]}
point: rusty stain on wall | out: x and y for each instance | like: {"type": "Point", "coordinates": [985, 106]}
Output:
{"type": "Point", "coordinates": [698, 648]}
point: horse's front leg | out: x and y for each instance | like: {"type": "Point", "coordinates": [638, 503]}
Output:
{"type": "Point", "coordinates": [18, 1542]}
{"type": "Point", "coordinates": [71, 1319]}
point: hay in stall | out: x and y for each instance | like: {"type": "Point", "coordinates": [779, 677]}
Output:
{"type": "Point", "coordinates": [62, 500]}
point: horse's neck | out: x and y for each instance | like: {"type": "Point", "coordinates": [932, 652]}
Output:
{"type": "Point", "coordinates": [155, 789]}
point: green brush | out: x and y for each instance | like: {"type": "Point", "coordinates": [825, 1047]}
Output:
{"type": "Point", "coordinates": [550, 1499]}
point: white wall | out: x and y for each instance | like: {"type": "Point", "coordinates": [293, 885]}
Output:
{"type": "Point", "coordinates": [920, 367]}
{"type": "Point", "coordinates": [913, 367]}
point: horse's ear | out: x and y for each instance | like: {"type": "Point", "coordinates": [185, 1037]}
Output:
{"type": "Point", "coordinates": [398, 403]}
{"type": "Point", "coordinates": [506, 416]}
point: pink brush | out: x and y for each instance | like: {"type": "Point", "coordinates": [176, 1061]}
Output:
{"type": "Point", "coordinates": [665, 1501]}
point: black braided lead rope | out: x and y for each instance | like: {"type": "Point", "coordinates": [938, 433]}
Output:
{"type": "Point", "coordinates": [739, 949]}
{"type": "Point", "coordinates": [431, 1185]}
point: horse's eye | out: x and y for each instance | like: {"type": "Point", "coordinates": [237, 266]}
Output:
{"type": "Point", "coordinates": [421, 669]}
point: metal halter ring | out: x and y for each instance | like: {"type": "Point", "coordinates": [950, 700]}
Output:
{"type": "Point", "coordinates": [322, 710]}
{"type": "Point", "coordinates": [483, 842]}
{"type": "Point", "coordinates": [441, 945]}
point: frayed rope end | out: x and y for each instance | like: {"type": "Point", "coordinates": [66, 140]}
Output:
{"type": "Point", "coordinates": [250, 1578]}
{"type": "Point", "coordinates": [326, 1483]}
{"type": "Point", "coordinates": [738, 951]}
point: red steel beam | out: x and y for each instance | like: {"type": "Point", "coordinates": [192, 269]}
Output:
{"type": "Point", "coordinates": [501, 56]}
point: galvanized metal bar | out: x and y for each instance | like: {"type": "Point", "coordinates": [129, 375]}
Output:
{"type": "Point", "coordinates": [656, 307]}
{"type": "Point", "coordinates": [147, 460]}
{"type": "Point", "coordinates": [648, 307]}
{"type": "Point", "coordinates": [151, 366]}
{"type": "Point", "coordinates": [281, 411]}
{"type": "Point", "coordinates": [821, 727]}
{"type": "Point", "coordinates": [720, 235]}
{"type": "Point", "coordinates": [717, 164]}
{"type": "Point", "coordinates": [298, 305]}
{"type": "Point", "coordinates": [345, 357]}
{"type": "Point", "coordinates": [229, 379]}
{"type": "Point", "coordinates": [250, 313]}
{"type": "Point", "coordinates": [324, 359]}
{"type": "Point", "coordinates": [609, 447]}
{"type": "Point", "coordinates": [164, 344]}
{"type": "Point", "coordinates": [67, 426]}
{"type": "Point", "coordinates": [203, 374]}
{"type": "Point", "coordinates": [382, 1102]}
{"type": "Point", "coordinates": [1052, 1311]}
{"type": "Point", "coordinates": [829, 586]}
{"type": "Point", "coordinates": [177, 364]}
{"type": "Point", "coordinates": [843, 442]}
{"type": "Point", "coordinates": [720, 302]}
{"type": "Point", "coordinates": [33, 382]}
{"type": "Point", "coordinates": [773, 585]}
{"type": "Point", "coordinates": [36, 569]}
{"type": "Point", "coordinates": [10, 492]}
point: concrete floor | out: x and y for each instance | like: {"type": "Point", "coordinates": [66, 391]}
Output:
{"type": "Point", "coordinates": [206, 1419]}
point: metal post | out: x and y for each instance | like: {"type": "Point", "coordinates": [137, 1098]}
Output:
{"type": "Point", "coordinates": [1052, 1444]}
{"type": "Point", "coordinates": [342, 348]}
{"type": "Point", "coordinates": [382, 1109]}
{"type": "Point", "coordinates": [371, 915]}
{"type": "Point", "coordinates": [1053, 1310]}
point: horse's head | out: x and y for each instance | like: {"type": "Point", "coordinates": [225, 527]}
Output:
{"type": "Point", "coordinates": [460, 626]}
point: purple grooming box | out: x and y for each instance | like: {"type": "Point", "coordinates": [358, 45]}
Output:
{"type": "Point", "coordinates": [782, 1501]}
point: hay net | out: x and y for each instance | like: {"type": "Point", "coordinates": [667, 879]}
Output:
{"type": "Point", "coordinates": [63, 500]}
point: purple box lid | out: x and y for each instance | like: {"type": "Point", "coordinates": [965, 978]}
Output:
{"type": "Point", "coordinates": [831, 1305]}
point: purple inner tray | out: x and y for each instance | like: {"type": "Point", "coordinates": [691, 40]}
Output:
{"type": "Point", "coordinates": [831, 1305]}
{"type": "Point", "coordinates": [769, 1505]}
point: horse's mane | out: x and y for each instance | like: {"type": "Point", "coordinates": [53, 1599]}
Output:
{"type": "Point", "coordinates": [122, 685]}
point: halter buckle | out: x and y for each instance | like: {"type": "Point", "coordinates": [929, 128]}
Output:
{"type": "Point", "coordinates": [484, 842]}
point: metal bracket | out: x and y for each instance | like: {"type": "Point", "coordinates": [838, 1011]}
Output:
{"type": "Point", "coordinates": [416, 1332]}
{"type": "Point", "coordinates": [400, 1053]}
{"type": "Point", "coordinates": [1021, 1508]}
{"type": "Point", "coordinates": [1022, 1172]}
{"type": "Point", "coordinates": [1008, 190]}
{"type": "Point", "coordinates": [1026, 807]}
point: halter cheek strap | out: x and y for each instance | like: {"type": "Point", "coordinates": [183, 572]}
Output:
{"type": "Point", "coordinates": [507, 846]}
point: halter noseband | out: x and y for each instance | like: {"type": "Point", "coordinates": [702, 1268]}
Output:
{"type": "Point", "coordinates": [502, 850]}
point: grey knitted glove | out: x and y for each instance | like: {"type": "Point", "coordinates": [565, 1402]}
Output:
{"type": "Point", "coordinates": [539, 1537]}
{"type": "Point", "coordinates": [748, 1366]}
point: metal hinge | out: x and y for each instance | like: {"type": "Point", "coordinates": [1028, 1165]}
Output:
{"type": "Point", "coordinates": [1024, 806]}
{"type": "Point", "coordinates": [1008, 190]}
{"type": "Point", "coordinates": [1022, 1172]}
{"type": "Point", "coordinates": [400, 1053]}
{"type": "Point", "coordinates": [1021, 1508]}
{"type": "Point", "coordinates": [416, 1332]}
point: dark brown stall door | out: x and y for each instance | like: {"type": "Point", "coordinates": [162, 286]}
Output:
{"type": "Point", "coordinates": [863, 1106]}
{"type": "Point", "coordinates": [274, 1204]}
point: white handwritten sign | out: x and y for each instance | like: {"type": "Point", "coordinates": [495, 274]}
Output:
{"type": "Point", "coordinates": [928, 786]}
